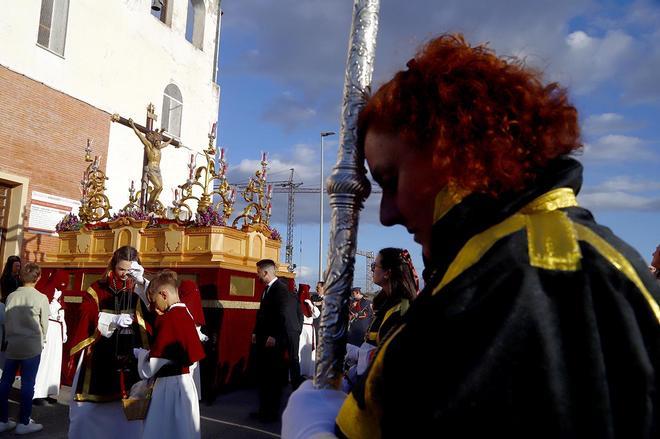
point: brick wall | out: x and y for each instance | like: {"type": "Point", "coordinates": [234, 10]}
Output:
{"type": "Point", "coordinates": [43, 134]}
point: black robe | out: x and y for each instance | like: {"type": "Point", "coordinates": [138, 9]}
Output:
{"type": "Point", "coordinates": [535, 322]}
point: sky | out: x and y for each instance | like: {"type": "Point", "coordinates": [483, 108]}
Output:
{"type": "Point", "coordinates": [281, 69]}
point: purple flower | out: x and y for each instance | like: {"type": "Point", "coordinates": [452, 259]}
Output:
{"type": "Point", "coordinates": [70, 222]}
{"type": "Point", "coordinates": [135, 214]}
{"type": "Point", "coordinates": [208, 217]}
{"type": "Point", "coordinates": [274, 234]}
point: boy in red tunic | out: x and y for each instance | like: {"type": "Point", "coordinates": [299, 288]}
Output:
{"type": "Point", "coordinates": [174, 409]}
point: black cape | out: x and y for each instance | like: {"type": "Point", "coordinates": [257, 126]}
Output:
{"type": "Point", "coordinates": [521, 343]}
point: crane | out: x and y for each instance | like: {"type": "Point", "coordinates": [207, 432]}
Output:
{"type": "Point", "coordinates": [292, 188]}
{"type": "Point", "coordinates": [370, 258]}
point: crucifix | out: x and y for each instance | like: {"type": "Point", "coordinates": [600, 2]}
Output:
{"type": "Point", "coordinates": [153, 140]}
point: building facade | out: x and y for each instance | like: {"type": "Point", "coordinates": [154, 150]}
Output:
{"type": "Point", "coordinates": [65, 68]}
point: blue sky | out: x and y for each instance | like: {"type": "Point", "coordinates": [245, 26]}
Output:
{"type": "Point", "coordinates": [281, 76]}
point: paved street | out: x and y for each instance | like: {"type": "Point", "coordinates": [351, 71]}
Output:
{"type": "Point", "coordinates": [227, 418]}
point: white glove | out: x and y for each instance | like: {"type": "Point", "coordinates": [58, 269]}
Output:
{"type": "Point", "coordinates": [123, 320]}
{"type": "Point", "coordinates": [137, 271]}
{"type": "Point", "coordinates": [202, 337]}
{"type": "Point", "coordinates": [364, 357]}
{"type": "Point", "coordinates": [311, 413]}
{"type": "Point", "coordinates": [137, 352]}
{"type": "Point", "coordinates": [57, 294]}
{"type": "Point", "coordinates": [107, 324]}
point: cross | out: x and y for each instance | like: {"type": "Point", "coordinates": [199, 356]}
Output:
{"type": "Point", "coordinates": [148, 128]}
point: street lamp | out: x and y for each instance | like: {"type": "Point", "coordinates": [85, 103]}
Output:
{"type": "Point", "coordinates": [323, 134]}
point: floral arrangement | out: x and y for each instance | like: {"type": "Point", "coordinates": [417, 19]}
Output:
{"type": "Point", "coordinates": [275, 234]}
{"type": "Point", "coordinates": [70, 222]}
{"type": "Point", "coordinates": [207, 218]}
{"type": "Point", "coordinates": [135, 214]}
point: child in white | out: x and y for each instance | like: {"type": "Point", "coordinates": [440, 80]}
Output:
{"type": "Point", "coordinates": [48, 376]}
{"type": "Point", "coordinates": [174, 408]}
{"type": "Point", "coordinates": [307, 346]}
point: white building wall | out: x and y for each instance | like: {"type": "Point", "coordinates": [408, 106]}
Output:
{"type": "Point", "coordinates": [118, 58]}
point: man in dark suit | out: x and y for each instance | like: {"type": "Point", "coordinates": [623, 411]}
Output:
{"type": "Point", "coordinates": [277, 322]}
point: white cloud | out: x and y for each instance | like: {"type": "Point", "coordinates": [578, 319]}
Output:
{"type": "Point", "coordinates": [288, 111]}
{"type": "Point", "coordinates": [305, 275]}
{"type": "Point", "coordinates": [624, 183]}
{"type": "Point", "coordinates": [586, 61]}
{"type": "Point", "coordinates": [616, 147]}
{"type": "Point", "coordinates": [596, 124]}
{"type": "Point", "coordinates": [622, 193]}
{"type": "Point", "coordinates": [618, 200]}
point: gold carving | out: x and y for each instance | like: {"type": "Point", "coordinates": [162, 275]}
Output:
{"type": "Point", "coordinates": [258, 196]}
{"type": "Point", "coordinates": [212, 182]}
{"type": "Point", "coordinates": [94, 204]}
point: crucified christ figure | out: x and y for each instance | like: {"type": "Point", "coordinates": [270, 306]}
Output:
{"type": "Point", "coordinates": [153, 143]}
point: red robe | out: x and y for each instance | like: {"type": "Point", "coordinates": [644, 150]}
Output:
{"type": "Point", "coordinates": [189, 294]}
{"type": "Point", "coordinates": [99, 376]}
{"type": "Point", "coordinates": [176, 339]}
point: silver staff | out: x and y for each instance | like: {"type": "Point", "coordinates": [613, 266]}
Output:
{"type": "Point", "coordinates": [347, 187]}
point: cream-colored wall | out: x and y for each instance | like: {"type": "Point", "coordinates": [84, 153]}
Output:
{"type": "Point", "coordinates": [118, 58]}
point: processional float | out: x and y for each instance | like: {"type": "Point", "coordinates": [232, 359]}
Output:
{"type": "Point", "coordinates": [200, 235]}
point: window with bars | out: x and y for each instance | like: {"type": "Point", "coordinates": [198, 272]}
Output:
{"type": "Point", "coordinates": [52, 25]}
{"type": "Point", "coordinates": [172, 110]}
{"type": "Point", "coordinates": [195, 23]}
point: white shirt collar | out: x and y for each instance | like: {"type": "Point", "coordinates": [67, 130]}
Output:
{"type": "Point", "coordinates": [271, 282]}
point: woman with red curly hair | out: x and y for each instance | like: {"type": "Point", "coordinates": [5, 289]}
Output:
{"type": "Point", "coordinates": [535, 321]}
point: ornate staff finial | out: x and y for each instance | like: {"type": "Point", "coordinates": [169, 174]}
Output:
{"type": "Point", "coordinates": [347, 189]}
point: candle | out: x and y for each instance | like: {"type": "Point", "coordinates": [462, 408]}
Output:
{"type": "Point", "coordinates": [222, 154]}
{"type": "Point", "coordinates": [270, 190]}
{"type": "Point", "coordinates": [176, 194]}
{"type": "Point", "coordinates": [213, 130]}
{"type": "Point", "coordinates": [269, 208]}
{"type": "Point", "coordinates": [191, 166]}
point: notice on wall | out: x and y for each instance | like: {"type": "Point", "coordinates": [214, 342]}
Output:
{"type": "Point", "coordinates": [47, 210]}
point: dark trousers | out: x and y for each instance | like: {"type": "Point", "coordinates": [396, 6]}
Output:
{"type": "Point", "coordinates": [29, 369]}
{"type": "Point", "coordinates": [293, 344]}
{"type": "Point", "coordinates": [270, 370]}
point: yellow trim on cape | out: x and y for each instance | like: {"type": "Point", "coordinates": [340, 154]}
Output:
{"type": "Point", "coordinates": [352, 420]}
{"type": "Point", "coordinates": [552, 243]}
{"type": "Point", "coordinates": [619, 262]}
{"type": "Point", "coordinates": [83, 344]}
{"type": "Point", "coordinates": [446, 199]}
{"type": "Point", "coordinates": [92, 292]}
{"type": "Point", "coordinates": [143, 327]}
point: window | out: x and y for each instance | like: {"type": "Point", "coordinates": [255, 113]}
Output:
{"type": "Point", "coordinates": [164, 14]}
{"type": "Point", "coordinates": [172, 110]}
{"type": "Point", "coordinates": [195, 23]}
{"type": "Point", "coordinates": [52, 25]}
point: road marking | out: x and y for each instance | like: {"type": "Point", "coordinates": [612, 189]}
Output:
{"type": "Point", "coordinates": [240, 426]}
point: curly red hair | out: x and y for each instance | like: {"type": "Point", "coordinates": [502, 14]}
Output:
{"type": "Point", "coordinates": [489, 121]}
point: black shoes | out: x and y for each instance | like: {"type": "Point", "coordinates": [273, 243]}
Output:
{"type": "Point", "coordinates": [40, 402]}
